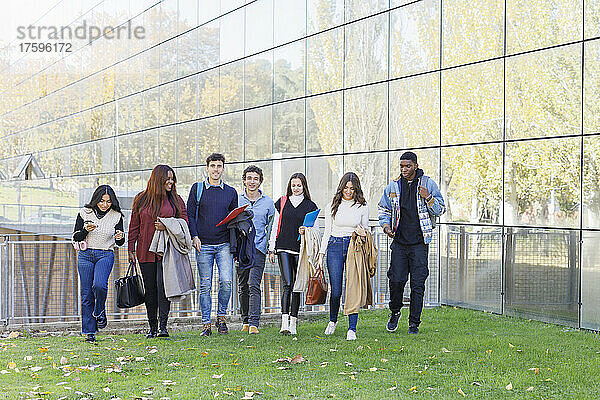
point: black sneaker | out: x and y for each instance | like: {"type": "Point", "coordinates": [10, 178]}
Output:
{"type": "Point", "coordinates": [206, 330]}
{"type": "Point", "coordinates": [101, 321]}
{"type": "Point", "coordinates": [392, 324]}
{"type": "Point", "coordinates": [413, 329]}
{"type": "Point", "coordinates": [222, 326]}
{"type": "Point", "coordinates": [151, 334]}
{"type": "Point", "coordinates": [163, 333]}
{"type": "Point", "coordinates": [90, 337]}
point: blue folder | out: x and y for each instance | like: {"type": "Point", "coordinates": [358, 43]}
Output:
{"type": "Point", "coordinates": [310, 219]}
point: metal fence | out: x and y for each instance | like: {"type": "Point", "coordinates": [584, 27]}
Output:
{"type": "Point", "coordinates": [39, 282]}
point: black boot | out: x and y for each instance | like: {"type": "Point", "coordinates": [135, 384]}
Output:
{"type": "Point", "coordinates": [153, 330]}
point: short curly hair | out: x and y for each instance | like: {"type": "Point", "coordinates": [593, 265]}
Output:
{"type": "Point", "coordinates": [215, 157]}
{"type": "Point", "coordinates": [256, 170]}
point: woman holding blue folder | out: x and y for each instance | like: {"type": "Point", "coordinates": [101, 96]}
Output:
{"type": "Point", "coordinates": [347, 211]}
{"type": "Point", "coordinates": [287, 223]}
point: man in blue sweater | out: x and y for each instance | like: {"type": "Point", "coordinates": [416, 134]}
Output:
{"type": "Point", "coordinates": [208, 205]}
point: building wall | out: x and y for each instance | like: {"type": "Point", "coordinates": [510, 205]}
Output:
{"type": "Point", "coordinates": [499, 99]}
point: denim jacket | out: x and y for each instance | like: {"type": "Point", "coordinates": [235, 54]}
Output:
{"type": "Point", "coordinates": [389, 206]}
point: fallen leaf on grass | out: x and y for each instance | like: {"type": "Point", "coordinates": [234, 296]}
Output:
{"type": "Point", "coordinates": [27, 358]}
{"type": "Point", "coordinates": [384, 360]}
{"type": "Point", "coordinates": [529, 389]}
{"type": "Point", "coordinates": [43, 349]}
{"type": "Point", "coordinates": [461, 392]}
{"type": "Point", "coordinates": [4, 372]}
{"type": "Point", "coordinates": [445, 350]}
{"type": "Point", "coordinates": [153, 351]}
{"type": "Point", "coordinates": [215, 376]}
{"type": "Point", "coordinates": [35, 369]}
{"type": "Point", "coordinates": [412, 389]}
{"type": "Point", "coordinates": [63, 360]}
{"type": "Point", "coordinates": [324, 364]}
{"type": "Point", "coordinates": [535, 370]}
{"type": "Point", "coordinates": [509, 386]}
{"type": "Point", "coordinates": [373, 369]}
{"type": "Point", "coordinates": [475, 384]}
{"type": "Point", "coordinates": [349, 364]}
{"type": "Point", "coordinates": [106, 389]}
{"type": "Point", "coordinates": [11, 365]}
{"type": "Point", "coordinates": [298, 359]}
{"type": "Point", "coordinates": [488, 351]}
{"type": "Point", "coordinates": [393, 388]}
{"type": "Point", "coordinates": [14, 335]}
{"type": "Point", "coordinates": [511, 345]}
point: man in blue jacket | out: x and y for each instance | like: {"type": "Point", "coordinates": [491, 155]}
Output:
{"type": "Point", "coordinates": [407, 212]}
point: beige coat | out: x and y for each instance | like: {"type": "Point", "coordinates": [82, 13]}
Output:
{"type": "Point", "coordinates": [309, 255]}
{"type": "Point", "coordinates": [361, 263]}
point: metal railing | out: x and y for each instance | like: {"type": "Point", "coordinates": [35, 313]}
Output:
{"type": "Point", "coordinates": [40, 283]}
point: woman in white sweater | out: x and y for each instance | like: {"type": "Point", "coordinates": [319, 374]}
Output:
{"type": "Point", "coordinates": [343, 215]}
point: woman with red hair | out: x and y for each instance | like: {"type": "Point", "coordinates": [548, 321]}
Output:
{"type": "Point", "coordinates": [160, 199]}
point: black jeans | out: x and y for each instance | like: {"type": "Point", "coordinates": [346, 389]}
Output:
{"type": "Point", "coordinates": [288, 265]}
{"type": "Point", "coordinates": [152, 274]}
{"type": "Point", "coordinates": [249, 280]}
{"type": "Point", "coordinates": [405, 260]}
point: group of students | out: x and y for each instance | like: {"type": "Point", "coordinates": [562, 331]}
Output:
{"type": "Point", "coordinates": [407, 212]}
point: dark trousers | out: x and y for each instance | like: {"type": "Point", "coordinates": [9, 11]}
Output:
{"type": "Point", "coordinates": [408, 260]}
{"type": "Point", "coordinates": [249, 280]}
{"type": "Point", "coordinates": [288, 266]}
{"type": "Point", "coordinates": [152, 274]}
{"type": "Point", "coordinates": [94, 268]}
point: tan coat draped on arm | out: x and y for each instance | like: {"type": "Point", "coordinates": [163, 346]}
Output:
{"type": "Point", "coordinates": [361, 263]}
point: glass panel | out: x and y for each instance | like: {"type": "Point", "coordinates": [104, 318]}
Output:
{"type": "Point", "coordinates": [591, 87]}
{"type": "Point", "coordinates": [591, 182]}
{"type": "Point", "coordinates": [186, 177]}
{"type": "Point", "coordinates": [228, 5]}
{"type": "Point", "coordinates": [188, 14]}
{"type": "Point", "coordinates": [590, 281]}
{"type": "Point", "coordinates": [231, 137]}
{"type": "Point", "coordinates": [415, 38]}
{"type": "Point", "coordinates": [166, 149]}
{"type": "Point", "coordinates": [168, 104]}
{"type": "Point", "coordinates": [415, 111]}
{"type": "Point", "coordinates": [325, 174]}
{"type": "Point", "coordinates": [472, 184]}
{"type": "Point", "coordinates": [428, 160]}
{"type": "Point", "coordinates": [208, 45]}
{"type": "Point", "coordinates": [289, 20]}
{"type": "Point", "coordinates": [324, 124]}
{"type": "Point", "coordinates": [232, 175]}
{"type": "Point", "coordinates": [208, 90]}
{"type": "Point", "coordinates": [151, 68]}
{"type": "Point", "coordinates": [545, 23]}
{"type": "Point", "coordinates": [267, 168]}
{"type": "Point", "coordinates": [541, 183]}
{"type": "Point", "coordinates": [325, 61]}
{"type": "Point", "coordinates": [151, 107]}
{"type": "Point", "coordinates": [367, 51]}
{"type": "Point", "coordinates": [356, 9]}
{"type": "Point", "coordinates": [207, 139]}
{"type": "Point", "coordinates": [259, 79]}
{"type": "Point", "coordinates": [372, 172]}
{"type": "Point", "coordinates": [472, 31]}
{"type": "Point", "coordinates": [186, 144]}
{"type": "Point", "coordinates": [288, 69]}
{"type": "Point", "coordinates": [168, 10]}
{"type": "Point", "coordinates": [541, 275]}
{"type": "Point", "coordinates": [187, 96]}
{"type": "Point", "coordinates": [543, 93]}
{"type": "Point", "coordinates": [258, 138]}
{"type": "Point", "coordinates": [231, 39]}
{"type": "Point", "coordinates": [104, 155]}
{"type": "Point", "coordinates": [167, 53]}
{"type": "Point", "coordinates": [208, 9]}
{"type": "Point", "coordinates": [365, 118]}
{"type": "Point", "coordinates": [231, 88]}
{"type": "Point", "coordinates": [259, 26]}
{"type": "Point", "coordinates": [473, 106]}
{"type": "Point", "coordinates": [187, 57]}
{"type": "Point", "coordinates": [288, 128]}
{"type": "Point", "coordinates": [471, 267]}
{"type": "Point", "coordinates": [137, 151]}
{"type": "Point", "coordinates": [592, 19]}
{"type": "Point", "coordinates": [323, 14]}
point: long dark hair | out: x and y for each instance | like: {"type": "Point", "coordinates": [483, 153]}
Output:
{"type": "Point", "coordinates": [298, 175]}
{"type": "Point", "coordinates": [97, 198]}
{"type": "Point", "coordinates": [339, 194]}
{"type": "Point", "coordinates": [155, 193]}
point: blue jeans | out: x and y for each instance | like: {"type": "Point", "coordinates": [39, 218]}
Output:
{"type": "Point", "coordinates": [337, 250]}
{"type": "Point", "coordinates": [205, 259]}
{"type": "Point", "coordinates": [94, 268]}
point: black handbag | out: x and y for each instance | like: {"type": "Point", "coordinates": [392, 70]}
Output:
{"type": "Point", "coordinates": [130, 288]}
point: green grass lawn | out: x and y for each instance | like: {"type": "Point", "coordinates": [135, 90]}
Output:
{"type": "Point", "coordinates": [459, 353]}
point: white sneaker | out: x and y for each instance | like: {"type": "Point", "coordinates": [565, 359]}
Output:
{"type": "Point", "coordinates": [293, 321]}
{"type": "Point", "coordinates": [330, 328]}
{"type": "Point", "coordinates": [351, 335]}
{"type": "Point", "coordinates": [285, 324]}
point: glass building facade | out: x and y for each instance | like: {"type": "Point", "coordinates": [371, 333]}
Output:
{"type": "Point", "coordinates": [499, 99]}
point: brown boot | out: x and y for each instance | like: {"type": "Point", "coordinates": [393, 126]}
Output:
{"type": "Point", "coordinates": [221, 325]}
{"type": "Point", "coordinates": [206, 330]}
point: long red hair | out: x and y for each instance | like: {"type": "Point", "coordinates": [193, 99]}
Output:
{"type": "Point", "coordinates": [155, 193]}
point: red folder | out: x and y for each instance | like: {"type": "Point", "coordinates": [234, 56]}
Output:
{"type": "Point", "coordinates": [233, 214]}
